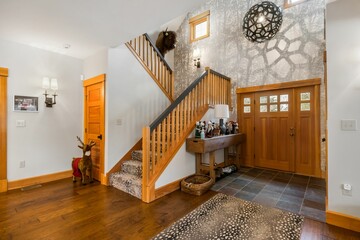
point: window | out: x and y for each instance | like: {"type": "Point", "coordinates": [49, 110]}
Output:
{"type": "Point", "coordinates": [199, 26]}
{"type": "Point", "coordinates": [290, 3]}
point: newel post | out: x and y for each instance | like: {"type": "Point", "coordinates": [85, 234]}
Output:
{"type": "Point", "coordinates": [147, 191]}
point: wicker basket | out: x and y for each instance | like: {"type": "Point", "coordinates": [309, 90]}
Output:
{"type": "Point", "coordinates": [196, 184]}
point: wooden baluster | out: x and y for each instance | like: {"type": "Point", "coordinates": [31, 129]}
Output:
{"type": "Point", "coordinates": [172, 85]}
{"type": "Point", "coordinates": [153, 152]}
{"type": "Point", "coordinates": [221, 90]}
{"type": "Point", "coordinates": [158, 144]}
{"type": "Point", "coordinates": [146, 51]}
{"type": "Point", "coordinates": [181, 125]}
{"type": "Point", "coordinates": [151, 59]}
{"type": "Point", "coordinates": [168, 135]}
{"type": "Point", "coordinates": [202, 93]}
{"type": "Point", "coordinates": [173, 128]}
{"type": "Point", "coordinates": [156, 66]}
{"type": "Point", "coordinates": [159, 68]}
{"type": "Point", "coordinates": [163, 139]}
{"type": "Point", "coordinates": [230, 94]}
{"type": "Point", "coordinates": [193, 104]}
{"type": "Point", "coordinates": [167, 80]}
{"type": "Point", "coordinates": [177, 121]}
{"type": "Point", "coordinates": [143, 47]}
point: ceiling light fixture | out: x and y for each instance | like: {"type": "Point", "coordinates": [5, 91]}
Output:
{"type": "Point", "coordinates": [262, 22]}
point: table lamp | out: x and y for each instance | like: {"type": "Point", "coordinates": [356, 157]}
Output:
{"type": "Point", "coordinates": [221, 112]}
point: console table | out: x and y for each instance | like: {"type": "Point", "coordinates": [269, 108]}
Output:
{"type": "Point", "coordinates": [210, 145]}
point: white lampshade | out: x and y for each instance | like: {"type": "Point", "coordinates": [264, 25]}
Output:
{"type": "Point", "coordinates": [46, 83]}
{"type": "Point", "coordinates": [54, 84]}
{"type": "Point", "coordinates": [222, 111]}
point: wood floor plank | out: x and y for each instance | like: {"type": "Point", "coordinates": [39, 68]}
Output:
{"type": "Point", "coordinates": [66, 210]}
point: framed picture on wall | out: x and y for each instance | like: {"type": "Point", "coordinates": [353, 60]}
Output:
{"type": "Point", "coordinates": [26, 104]}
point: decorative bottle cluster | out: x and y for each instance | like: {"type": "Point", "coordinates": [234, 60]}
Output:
{"type": "Point", "coordinates": [212, 129]}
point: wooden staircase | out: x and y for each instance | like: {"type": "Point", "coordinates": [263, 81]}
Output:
{"type": "Point", "coordinates": [154, 63]}
{"type": "Point", "coordinates": [163, 138]}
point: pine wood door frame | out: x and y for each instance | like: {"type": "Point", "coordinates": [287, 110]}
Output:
{"type": "Point", "coordinates": [3, 129]}
{"type": "Point", "coordinates": [95, 80]}
{"type": "Point", "coordinates": [278, 86]}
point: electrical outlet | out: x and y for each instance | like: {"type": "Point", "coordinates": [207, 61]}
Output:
{"type": "Point", "coordinates": [22, 164]}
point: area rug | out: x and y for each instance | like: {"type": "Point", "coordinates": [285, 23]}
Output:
{"type": "Point", "coordinates": [228, 217]}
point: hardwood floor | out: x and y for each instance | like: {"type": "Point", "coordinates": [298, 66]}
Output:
{"type": "Point", "coordinates": [64, 210]}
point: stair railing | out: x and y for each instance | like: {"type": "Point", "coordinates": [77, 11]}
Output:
{"type": "Point", "coordinates": [163, 138]}
{"type": "Point", "coordinates": [154, 63]}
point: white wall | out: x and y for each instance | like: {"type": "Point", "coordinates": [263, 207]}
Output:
{"type": "Point", "coordinates": [343, 47]}
{"type": "Point", "coordinates": [95, 64]}
{"type": "Point", "coordinates": [48, 142]}
{"type": "Point", "coordinates": [133, 98]}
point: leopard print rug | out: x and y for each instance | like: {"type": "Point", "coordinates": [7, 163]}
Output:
{"type": "Point", "coordinates": [227, 217]}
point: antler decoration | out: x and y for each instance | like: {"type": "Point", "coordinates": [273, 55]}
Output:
{"type": "Point", "coordinates": [92, 143]}
{"type": "Point", "coordinates": [80, 141]}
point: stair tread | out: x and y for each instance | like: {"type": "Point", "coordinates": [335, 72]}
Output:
{"type": "Point", "coordinates": [122, 176]}
{"type": "Point", "coordinates": [132, 162]}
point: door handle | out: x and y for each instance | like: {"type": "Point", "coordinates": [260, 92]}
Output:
{"type": "Point", "coordinates": [100, 137]}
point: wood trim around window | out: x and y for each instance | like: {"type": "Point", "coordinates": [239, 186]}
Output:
{"type": "Point", "coordinates": [288, 4]}
{"type": "Point", "coordinates": [198, 19]}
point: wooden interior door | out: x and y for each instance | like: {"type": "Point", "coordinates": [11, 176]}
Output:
{"type": "Point", "coordinates": [94, 114]}
{"type": "Point", "coordinates": [274, 130]}
{"type": "Point", "coordinates": [307, 131]}
{"type": "Point", "coordinates": [3, 129]}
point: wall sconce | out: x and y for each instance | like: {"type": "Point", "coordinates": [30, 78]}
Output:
{"type": "Point", "coordinates": [47, 85]}
{"type": "Point", "coordinates": [196, 55]}
{"type": "Point", "coordinates": [221, 112]}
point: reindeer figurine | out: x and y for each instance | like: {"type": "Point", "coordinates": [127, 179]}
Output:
{"type": "Point", "coordinates": [83, 165]}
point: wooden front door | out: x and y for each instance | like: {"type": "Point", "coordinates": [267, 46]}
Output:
{"type": "Point", "coordinates": [94, 122]}
{"type": "Point", "coordinates": [3, 129]}
{"type": "Point", "coordinates": [282, 126]}
{"type": "Point", "coordinates": [274, 130]}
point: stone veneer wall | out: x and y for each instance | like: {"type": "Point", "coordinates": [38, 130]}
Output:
{"type": "Point", "coordinates": [295, 53]}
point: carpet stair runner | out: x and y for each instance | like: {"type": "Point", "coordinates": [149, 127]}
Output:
{"type": "Point", "coordinates": [129, 178]}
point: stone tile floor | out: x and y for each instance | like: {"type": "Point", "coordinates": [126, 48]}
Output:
{"type": "Point", "coordinates": [295, 193]}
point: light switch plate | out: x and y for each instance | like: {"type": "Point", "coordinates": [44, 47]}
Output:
{"type": "Point", "coordinates": [20, 123]}
{"type": "Point", "coordinates": [348, 124]}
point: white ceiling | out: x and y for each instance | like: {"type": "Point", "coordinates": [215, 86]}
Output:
{"type": "Point", "coordinates": [86, 25]}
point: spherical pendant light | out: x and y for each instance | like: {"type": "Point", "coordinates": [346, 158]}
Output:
{"type": "Point", "coordinates": [262, 22]}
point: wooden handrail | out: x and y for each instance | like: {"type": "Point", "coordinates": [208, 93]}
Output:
{"type": "Point", "coordinates": [157, 51]}
{"type": "Point", "coordinates": [220, 75]}
{"type": "Point", "coordinates": [163, 138]}
{"type": "Point", "coordinates": [157, 121]}
{"type": "Point", "coordinates": [154, 63]}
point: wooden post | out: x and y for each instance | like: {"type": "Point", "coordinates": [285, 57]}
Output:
{"type": "Point", "coordinates": [145, 164]}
